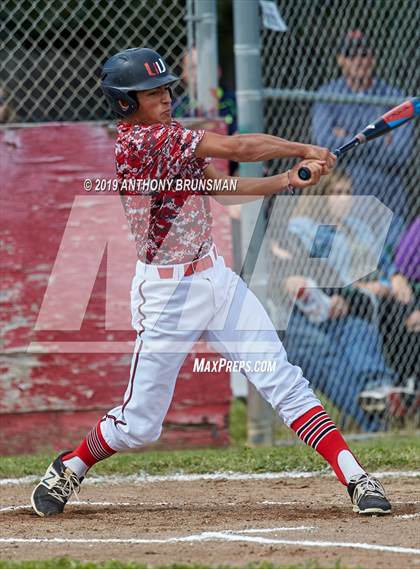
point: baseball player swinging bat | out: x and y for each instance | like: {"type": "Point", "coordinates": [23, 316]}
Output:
{"type": "Point", "coordinates": [394, 118]}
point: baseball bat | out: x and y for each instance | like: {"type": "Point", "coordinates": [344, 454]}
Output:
{"type": "Point", "coordinates": [394, 118]}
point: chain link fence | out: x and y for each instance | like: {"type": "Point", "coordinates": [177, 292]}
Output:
{"type": "Point", "coordinates": [52, 51]}
{"type": "Point", "coordinates": [364, 361]}
{"type": "Point", "coordinates": [338, 67]}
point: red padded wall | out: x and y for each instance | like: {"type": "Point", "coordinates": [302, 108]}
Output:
{"type": "Point", "coordinates": [51, 399]}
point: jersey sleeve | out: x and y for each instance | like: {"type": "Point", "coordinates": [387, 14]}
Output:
{"type": "Point", "coordinates": [173, 148]}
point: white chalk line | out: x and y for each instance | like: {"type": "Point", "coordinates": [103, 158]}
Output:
{"type": "Point", "coordinates": [272, 503]}
{"type": "Point", "coordinates": [217, 536]}
{"type": "Point", "coordinates": [270, 530]}
{"type": "Point", "coordinates": [143, 477]}
{"type": "Point", "coordinates": [77, 503]}
{"type": "Point", "coordinates": [407, 516]}
{"type": "Point", "coordinates": [89, 503]}
{"type": "Point", "coordinates": [151, 504]}
{"type": "Point", "coordinates": [300, 502]}
{"type": "Point", "coordinates": [171, 504]}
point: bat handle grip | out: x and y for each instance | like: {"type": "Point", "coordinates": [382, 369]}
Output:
{"type": "Point", "coordinates": [305, 174]}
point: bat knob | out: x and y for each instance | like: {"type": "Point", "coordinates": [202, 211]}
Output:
{"type": "Point", "coordinates": [304, 173]}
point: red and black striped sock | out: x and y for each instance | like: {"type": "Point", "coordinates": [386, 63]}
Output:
{"type": "Point", "coordinates": [316, 429]}
{"type": "Point", "coordinates": [91, 450]}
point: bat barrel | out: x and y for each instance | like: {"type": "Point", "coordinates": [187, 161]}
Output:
{"type": "Point", "coordinates": [392, 119]}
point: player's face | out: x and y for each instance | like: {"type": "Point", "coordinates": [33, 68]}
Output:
{"type": "Point", "coordinates": [359, 69]}
{"type": "Point", "coordinates": [155, 105]}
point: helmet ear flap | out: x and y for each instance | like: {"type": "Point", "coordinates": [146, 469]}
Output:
{"type": "Point", "coordinates": [128, 103]}
{"type": "Point", "coordinates": [123, 103]}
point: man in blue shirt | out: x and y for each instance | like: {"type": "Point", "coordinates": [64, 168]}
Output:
{"type": "Point", "coordinates": [377, 168]}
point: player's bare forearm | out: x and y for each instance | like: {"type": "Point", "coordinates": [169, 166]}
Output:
{"type": "Point", "coordinates": [246, 189]}
{"type": "Point", "coordinates": [249, 189]}
{"type": "Point", "coordinates": [257, 148]}
{"type": "Point", "coordinates": [260, 187]}
{"type": "Point", "coordinates": [261, 147]}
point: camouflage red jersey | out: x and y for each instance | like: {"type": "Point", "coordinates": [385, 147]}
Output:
{"type": "Point", "coordinates": [168, 227]}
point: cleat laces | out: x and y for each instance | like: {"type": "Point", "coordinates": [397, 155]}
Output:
{"type": "Point", "coordinates": [66, 485]}
{"type": "Point", "coordinates": [366, 485]}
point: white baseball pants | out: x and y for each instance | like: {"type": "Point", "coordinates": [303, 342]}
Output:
{"type": "Point", "coordinates": [170, 315]}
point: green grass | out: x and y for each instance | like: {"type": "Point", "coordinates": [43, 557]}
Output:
{"type": "Point", "coordinates": [393, 451]}
{"type": "Point", "coordinates": [66, 563]}
{"type": "Point", "coordinates": [237, 422]}
{"type": "Point", "coordinates": [390, 452]}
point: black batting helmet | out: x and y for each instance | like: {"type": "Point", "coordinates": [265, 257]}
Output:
{"type": "Point", "coordinates": [136, 69]}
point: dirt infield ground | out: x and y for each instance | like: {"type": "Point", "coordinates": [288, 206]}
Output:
{"type": "Point", "coordinates": [223, 521]}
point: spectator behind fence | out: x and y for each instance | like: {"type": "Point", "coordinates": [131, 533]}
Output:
{"type": "Point", "coordinates": [407, 260]}
{"type": "Point", "coordinates": [399, 315]}
{"type": "Point", "coordinates": [377, 168]}
{"type": "Point", "coordinates": [339, 344]}
{"type": "Point", "coordinates": [225, 98]}
{"type": "Point", "coordinates": [399, 297]}
{"type": "Point", "coordinates": [395, 292]}
{"type": "Point", "coordinates": [6, 114]}
{"type": "Point", "coordinates": [407, 257]}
